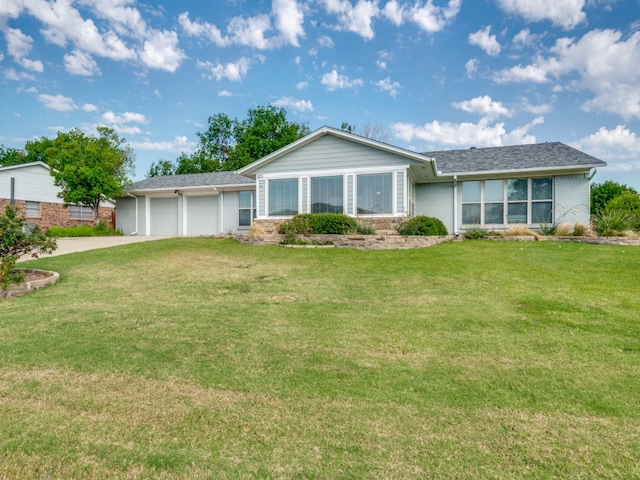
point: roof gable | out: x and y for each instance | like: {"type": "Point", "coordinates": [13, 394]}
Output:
{"type": "Point", "coordinates": [25, 166]}
{"type": "Point", "coordinates": [317, 135]}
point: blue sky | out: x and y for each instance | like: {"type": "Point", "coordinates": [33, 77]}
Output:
{"type": "Point", "coordinates": [435, 74]}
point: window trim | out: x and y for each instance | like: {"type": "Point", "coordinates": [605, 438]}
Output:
{"type": "Point", "coordinates": [529, 202]}
{"type": "Point", "coordinates": [392, 194]}
{"type": "Point", "coordinates": [310, 191]}
{"type": "Point", "coordinates": [268, 196]}
{"type": "Point", "coordinates": [251, 208]}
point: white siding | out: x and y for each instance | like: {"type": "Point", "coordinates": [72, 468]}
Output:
{"type": "Point", "coordinates": [436, 200]}
{"type": "Point", "coordinates": [571, 198]}
{"type": "Point", "coordinates": [32, 182]}
{"type": "Point", "coordinates": [331, 153]}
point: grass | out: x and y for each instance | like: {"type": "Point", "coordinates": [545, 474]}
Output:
{"type": "Point", "coordinates": [204, 358]}
{"type": "Point", "coordinates": [98, 230]}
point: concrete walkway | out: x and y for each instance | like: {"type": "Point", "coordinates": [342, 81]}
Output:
{"type": "Point", "coordinates": [81, 244]}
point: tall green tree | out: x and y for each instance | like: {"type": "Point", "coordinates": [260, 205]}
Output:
{"type": "Point", "coordinates": [11, 156]}
{"type": "Point", "coordinates": [90, 169]}
{"type": "Point", "coordinates": [603, 193]}
{"type": "Point", "coordinates": [229, 144]}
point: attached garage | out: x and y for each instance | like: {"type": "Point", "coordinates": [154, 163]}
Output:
{"type": "Point", "coordinates": [194, 204]}
{"type": "Point", "coordinates": [163, 216]}
{"type": "Point", "coordinates": [203, 215]}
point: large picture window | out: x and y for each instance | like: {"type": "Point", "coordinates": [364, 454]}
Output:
{"type": "Point", "coordinates": [327, 194]}
{"type": "Point", "coordinates": [283, 196]}
{"type": "Point", "coordinates": [375, 192]}
{"type": "Point", "coordinates": [525, 200]}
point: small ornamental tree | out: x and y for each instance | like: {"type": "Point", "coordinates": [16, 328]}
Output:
{"type": "Point", "coordinates": [16, 241]}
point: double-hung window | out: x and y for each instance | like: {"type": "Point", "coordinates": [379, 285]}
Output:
{"type": "Point", "coordinates": [246, 209]}
{"type": "Point", "coordinates": [375, 192]}
{"type": "Point", "coordinates": [80, 212]}
{"type": "Point", "coordinates": [327, 194]}
{"type": "Point", "coordinates": [523, 200]}
{"type": "Point", "coordinates": [283, 196]}
{"type": "Point", "coordinates": [32, 209]}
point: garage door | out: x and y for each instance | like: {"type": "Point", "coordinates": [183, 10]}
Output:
{"type": "Point", "coordinates": [164, 216]}
{"type": "Point", "coordinates": [202, 215]}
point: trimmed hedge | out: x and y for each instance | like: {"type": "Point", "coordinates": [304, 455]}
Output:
{"type": "Point", "coordinates": [422, 225]}
{"type": "Point", "coordinates": [319, 223]}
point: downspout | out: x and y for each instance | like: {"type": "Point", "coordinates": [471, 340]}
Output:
{"type": "Point", "coordinates": [136, 198]}
{"type": "Point", "coordinates": [455, 204]}
{"type": "Point", "coordinates": [13, 192]}
{"type": "Point", "coordinates": [595, 170]}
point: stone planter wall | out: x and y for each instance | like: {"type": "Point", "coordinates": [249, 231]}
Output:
{"type": "Point", "coordinates": [362, 242]}
{"type": "Point", "coordinates": [381, 224]}
{"type": "Point", "coordinates": [16, 290]}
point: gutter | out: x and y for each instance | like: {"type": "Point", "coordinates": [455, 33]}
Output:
{"type": "Point", "coordinates": [136, 198]}
{"type": "Point", "coordinates": [455, 204]}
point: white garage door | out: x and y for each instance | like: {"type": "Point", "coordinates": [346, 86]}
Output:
{"type": "Point", "coordinates": [164, 216]}
{"type": "Point", "coordinates": [202, 215]}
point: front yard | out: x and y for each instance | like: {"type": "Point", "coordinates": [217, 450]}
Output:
{"type": "Point", "coordinates": [204, 358]}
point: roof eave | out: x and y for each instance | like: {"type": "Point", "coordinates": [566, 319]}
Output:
{"type": "Point", "coordinates": [524, 170]}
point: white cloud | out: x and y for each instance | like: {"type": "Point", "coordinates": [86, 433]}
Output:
{"type": "Point", "coordinates": [33, 65]}
{"type": "Point", "coordinates": [298, 106]}
{"type": "Point", "coordinates": [289, 20]}
{"type": "Point", "coordinates": [431, 18]}
{"type": "Point", "coordinates": [394, 12]}
{"type": "Point", "coordinates": [232, 71]}
{"type": "Point", "coordinates": [157, 93]}
{"type": "Point", "coordinates": [18, 46]}
{"type": "Point", "coordinates": [225, 93]}
{"type": "Point", "coordinates": [484, 106]}
{"type": "Point", "coordinates": [471, 67]}
{"type": "Point", "coordinates": [464, 135]}
{"type": "Point", "coordinates": [356, 18]}
{"type": "Point", "coordinates": [179, 144]}
{"type": "Point", "coordinates": [386, 85]}
{"type": "Point", "coordinates": [535, 109]}
{"type": "Point", "coordinates": [325, 42]}
{"type": "Point", "coordinates": [524, 38]}
{"type": "Point", "coordinates": [250, 31]}
{"type": "Point", "coordinates": [79, 63]}
{"type": "Point", "coordinates": [112, 118]}
{"type": "Point", "coordinates": [485, 41]}
{"type": "Point", "coordinates": [604, 64]}
{"type": "Point", "coordinates": [11, 74]}
{"type": "Point", "coordinates": [57, 102]}
{"type": "Point", "coordinates": [333, 80]}
{"type": "Point", "coordinates": [89, 107]}
{"type": "Point", "coordinates": [619, 147]}
{"type": "Point", "coordinates": [203, 29]}
{"type": "Point", "coordinates": [161, 51]}
{"type": "Point", "coordinates": [565, 13]}
{"type": "Point", "coordinates": [302, 85]}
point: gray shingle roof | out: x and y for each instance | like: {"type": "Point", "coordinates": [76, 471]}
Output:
{"type": "Point", "coordinates": [518, 157]}
{"type": "Point", "coordinates": [191, 180]}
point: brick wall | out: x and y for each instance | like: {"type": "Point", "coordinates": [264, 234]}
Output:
{"type": "Point", "coordinates": [56, 215]}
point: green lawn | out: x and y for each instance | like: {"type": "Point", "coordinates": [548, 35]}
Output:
{"type": "Point", "coordinates": [204, 358]}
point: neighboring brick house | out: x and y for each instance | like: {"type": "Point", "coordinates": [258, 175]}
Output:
{"type": "Point", "coordinates": [30, 187]}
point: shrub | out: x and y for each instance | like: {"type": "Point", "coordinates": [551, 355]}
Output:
{"type": "Point", "coordinates": [16, 240]}
{"type": "Point", "coordinates": [365, 229]}
{"type": "Point", "coordinates": [476, 233]}
{"type": "Point", "coordinates": [628, 202]}
{"type": "Point", "coordinates": [612, 223]}
{"type": "Point", "coordinates": [548, 228]}
{"type": "Point", "coordinates": [422, 225]}
{"type": "Point", "coordinates": [319, 223]}
{"type": "Point", "coordinates": [580, 230]}
{"type": "Point", "coordinates": [564, 230]}
{"type": "Point", "coordinates": [99, 230]}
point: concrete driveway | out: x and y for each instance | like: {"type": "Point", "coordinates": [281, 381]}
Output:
{"type": "Point", "coordinates": [81, 244]}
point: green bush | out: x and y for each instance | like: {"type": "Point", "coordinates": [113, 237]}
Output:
{"type": "Point", "coordinates": [319, 223]}
{"type": "Point", "coordinates": [612, 223]}
{"type": "Point", "coordinates": [627, 202]}
{"type": "Point", "coordinates": [422, 225]}
{"type": "Point", "coordinates": [17, 240]}
{"type": "Point", "coordinates": [476, 233]}
{"type": "Point", "coordinates": [99, 230]}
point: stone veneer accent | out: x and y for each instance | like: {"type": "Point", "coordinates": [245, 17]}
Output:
{"type": "Point", "coordinates": [56, 215]}
{"type": "Point", "coordinates": [270, 226]}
